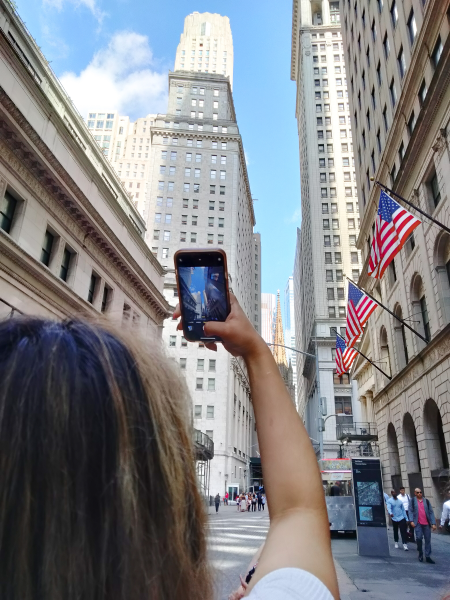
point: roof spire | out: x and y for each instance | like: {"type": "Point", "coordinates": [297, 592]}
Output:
{"type": "Point", "coordinates": [279, 352]}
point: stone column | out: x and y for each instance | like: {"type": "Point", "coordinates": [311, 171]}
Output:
{"type": "Point", "coordinates": [444, 293]}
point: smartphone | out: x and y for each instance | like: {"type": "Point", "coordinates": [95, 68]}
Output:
{"type": "Point", "coordinates": [202, 280]}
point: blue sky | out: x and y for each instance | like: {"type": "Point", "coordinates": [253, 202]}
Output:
{"type": "Point", "coordinates": [101, 48]}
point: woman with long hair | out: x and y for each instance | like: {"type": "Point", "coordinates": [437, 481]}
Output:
{"type": "Point", "coordinates": [93, 426]}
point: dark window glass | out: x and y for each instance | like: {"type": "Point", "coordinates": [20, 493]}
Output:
{"type": "Point", "coordinates": [435, 192]}
{"type": "Point", "coordinates": [64, 271]}
{"type": "Point", "coordinates": [425, 318]}
{"type": "Point", "coordinates": [7, 209]}
{"type": "Point", "coordinates": [105, 298]}
{"type": "Point", "coordinates": [92, 286]}
{"type": "Point", "coordinates": [47, 248]}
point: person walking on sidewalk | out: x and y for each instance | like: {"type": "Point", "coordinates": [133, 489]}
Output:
{"type": "Point", "coordinates": [445, 515]}
{"type": "Point", "coordinates": [423, 521]}
{"type": "Point", "coordinates": [259, 500]}
{"type": "Point", "coordinates": [406, 499]}
{"type": "Point", "coordinates": [397, 513]}
{"type": "Point", "coordinates": [254, 503]}
{"type": "Point", "coordinates": [217, 502]}
{"type": "Point", "coordinates": [263, 501]}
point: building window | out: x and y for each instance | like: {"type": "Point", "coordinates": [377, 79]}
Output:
{"type": "Point", "coordinates": [393, 93]}
{"type": "Point", "coordinates": [332, 312]}
{"type": "Point", "coordinates": [412, 27]}
{"type": "Point", "coordinates": [330, 293]}
{"type": "Point", "coordinates": [326, 223]}
{"type": "Point", "coordinates": [423, 92]}
{"type": "Point", "coordinates": [183, 363]}
{"type": "Point", "coordinates": [338, 258]}
{"type": "Point", "coordinates": [401, 62]}
{"type": "Point", "coordinates": [165, 253]}
{"type": "Point", "coordinates": [434, 189]}
{"type": "Point", "coordinates": [210, 412]}
{"type": "Point", "coordinates": [92, 287]}
{"type": "Point", "coordinates": [437, 51]}
{"type": "Point", "coordinates": [198, 411]}
{"type": "Point", "coordinates": [386, 47]}
{"type": "Point", "coordinates": [339, 275]}
{"type": "Point", "coordinates": [199, 383]}
{"type": "Point", "coordinates": [173, 341]}
{"type": "Point", "coordinates": [65, 264]}
{"type": "Point", "coordinates": [425, 318]}
{"type": "Point", "coordinates": [211, 385]}
{"type": "Point", "coordinates": [328, 275]}
{"type": "Point", "coordinates": [394, 14]}
{"type": "Point", "coordinates": [47, 248]}
{"type": "Point", "coordinates": [212, 364]}
{"type": "Point", "coordinates": [385, 120]}
{"type": "Point", "coordinates": [8, 206]}
{"type": "Point", "coordinates": [328, 258]}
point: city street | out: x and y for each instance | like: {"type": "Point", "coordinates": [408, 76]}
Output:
{"type": "Point", "coordinates": [235, 537]}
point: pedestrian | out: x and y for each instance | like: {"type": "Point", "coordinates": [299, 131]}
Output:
{"type": "Point", "coordinates": [335, 489]}
{"type": "Point", "coordinates": [249, 502]}
{"type": "Point", "coordinates": [217, 502]}
{"type": "Point", "coordinates": [243, 503]}
{"type": "Point", "coordinates": [104, 420]}
{"type": "Point", "coordinates": [259, 500]}
{"type": "Point", "coordinates": [263, 501]}
{"type": "Point", "coordinates": [406, 499]}
{"type": "Point", "coordinates": [226, 498]}
{"type": "Point", "coordinates": [423, 521]}
{"type": "Point", "coordinates": [238, 502]}
{"type": "Point", "coordinates": [254, 503]}
{"type": "Point", "coordinates": [445, 515]}
{"type": "Point", "coordinates": [397, 513]}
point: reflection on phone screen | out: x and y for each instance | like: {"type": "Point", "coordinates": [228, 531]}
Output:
{"type": "Point", "coordinates": [203, 296]}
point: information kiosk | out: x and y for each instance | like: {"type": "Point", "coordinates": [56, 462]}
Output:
{"type": "Point", "coordinates": [370, 510]}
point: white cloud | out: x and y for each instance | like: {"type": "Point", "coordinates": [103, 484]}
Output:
{"type": "Point", "coordinates": [120, 77]}
{"type": "Point", "coordinates": [296, 216]}
{"type": "Point", "coordinates": [89, 4]}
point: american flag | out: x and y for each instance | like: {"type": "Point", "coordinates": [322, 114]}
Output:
{"type": "Point", "coordinates": [393, 226]}
{"type": "Point", "coordinates": [359, 309]}
{"type": "Point", "coordinates": [344, 356]}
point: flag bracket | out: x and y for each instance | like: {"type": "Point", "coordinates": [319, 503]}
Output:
{"type": "Point", "coordinates": [368, 359]}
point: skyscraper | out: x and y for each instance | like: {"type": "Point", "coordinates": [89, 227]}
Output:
{"type": "Point", "coordinates": [200, 197]}
{"type": "Point", "coordinates": [206, 45]}
{"type": "Point", "coordinates": [289, 326]}
{"type": "Point", "coordinates": [330, 218]}
{"type": "Point", "coordinates": [279, 353]}
{"type": "Point", "coordinates": [268, 314]}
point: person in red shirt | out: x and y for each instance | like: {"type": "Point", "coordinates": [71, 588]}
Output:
{"type": "Point", "coordinates": [423, 521]}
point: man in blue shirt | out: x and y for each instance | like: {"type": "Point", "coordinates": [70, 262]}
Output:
{"type": "Point", "coordinates": [397, 513]}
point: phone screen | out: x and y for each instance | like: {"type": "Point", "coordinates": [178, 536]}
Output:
{"type": "Point", "coordinates": [203, 292]}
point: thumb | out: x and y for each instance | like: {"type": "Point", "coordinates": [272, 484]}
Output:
{"type": "Point", "coordinates": [214, 328]}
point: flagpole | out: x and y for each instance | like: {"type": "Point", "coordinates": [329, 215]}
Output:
{"type": "Point", "coordinates": [368, 359]}
{"type": "Point", "coordinates": [444, 227]}
{"type": "Point", "coordinates": [389, 311]}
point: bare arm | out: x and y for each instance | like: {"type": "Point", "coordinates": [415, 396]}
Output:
{"type": "Point", "coordinates": [299, 530]}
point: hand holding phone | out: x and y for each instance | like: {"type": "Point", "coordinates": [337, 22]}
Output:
{"type": "Point", "coordinates": [202, 280]}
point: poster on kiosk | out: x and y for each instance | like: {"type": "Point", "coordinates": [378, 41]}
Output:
{"type": "Point", "coordinates": [371, 526]}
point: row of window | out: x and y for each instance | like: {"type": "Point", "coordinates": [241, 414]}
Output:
{"type": "Point", "coordinates": [333, 192]}
{"type": "Point", "coordinates": [332, 314]}
{"type": "Point", "coordinates": [184, 237]}
{"type": "Point", "coordinates": [335, 223]}
{"type": "Point", "coordinates": [338, 275]}
{"type": "Point", "coordinates": [324, 70]}
{"type": "Point", "coordinates": [354, 259]}
{"type": "Point", "coordinates": [329, 163]}
{"type": "Point", "coordinates": [188, 172]}
{"type": "Point", "coordinates": [325, 83]}
{"type": "Point", "coordinates": [337, 240]}
{"type": "Point", "coordinates": [198, 143]}
{"type": "Point", "coordinates": [198, 411]}
{"type": "Point", "coordinates": [196, 90]}
{"type": "Point", "coordinates": [167, 124]}
{"type": "Point", "coordinates": [187, 187]}
{"type": "Point", "coordinates": [198, 157]}
{"type": "Point", "coordinates": [184, 220]}
{"type": "Point", "coordinates": [201, 363]}
{"type": "Point", "coordinates": [328, 134]}
{"type": "Point", "coordinates": [323, 58]}
{"type": "Point", "coordinates": [332, 177]}
{"type": "Point", "coordinates": [166, 235]}
{"type": "Point", "coordinates": [8, 210]}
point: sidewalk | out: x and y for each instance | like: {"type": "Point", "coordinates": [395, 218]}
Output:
{"type": "Point", "coordinates": [401, 576]}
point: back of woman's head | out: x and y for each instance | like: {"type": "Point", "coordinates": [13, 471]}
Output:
{"type": "Point", "coordinates": [98, 493]}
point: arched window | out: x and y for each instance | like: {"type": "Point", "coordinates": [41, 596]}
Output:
{"type": "Point", "coordinates": [442, 266]}
{"type": "Point", "coordinates": [438, 458]}
{"type": "Point", "coordinates": [400, 339]}
{"type": "Point", "coordinates": [384, 351]}
{"type": "Point", "coordinates": [419, 311]}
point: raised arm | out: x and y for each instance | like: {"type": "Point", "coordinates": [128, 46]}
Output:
{"type": "Point", "coordinates": [299, 529]}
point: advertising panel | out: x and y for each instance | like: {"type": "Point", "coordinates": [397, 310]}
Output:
{"type": "Point", "coordinates": [368, 493]}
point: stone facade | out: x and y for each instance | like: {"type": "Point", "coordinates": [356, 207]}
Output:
{"type": "Point", "coordinates": [406, 100]}
{"type": "Point", "coordinates": [326, 248]}
{"type": "Point", "coordinates": [71, 241]}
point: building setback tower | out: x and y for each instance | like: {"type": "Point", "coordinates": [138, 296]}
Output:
{"type": "Point", "coordinates": [279, 353]}
{"type": "Point", "coordinates": [398, 62]}
{"type": "Point", "coordinates": [330, 218]}
{"type": "Point", "coordinates": [200, 197]}
{"type": "Point", "coordinates": [206, 45]}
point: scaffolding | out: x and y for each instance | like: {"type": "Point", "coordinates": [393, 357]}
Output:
{"type": "Point", "coordinates": [204, 452]}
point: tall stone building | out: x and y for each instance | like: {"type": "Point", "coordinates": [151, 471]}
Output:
{"type": "Point", "coordinates": [398, 63]}
{"type": "Point", "coordinates": [289, 327]}
{"type": "Point", "coordinates": [279, 353]}
{"type": "Point", "coordinates": [268, 314]}
{"type": "Point", "coordinates": [126, 144]}
{"type": "Point", "coordinates": [200, 197]}
{"type": "Point", "coordinates": [71, 241]}
{"type": "Point", "coordinates": [326, 245]}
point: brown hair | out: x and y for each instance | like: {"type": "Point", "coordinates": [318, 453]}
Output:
{"type": "Point", "coordinates": [98, 492]}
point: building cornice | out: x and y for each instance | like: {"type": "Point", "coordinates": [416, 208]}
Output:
{"type": "Point", "coordinates": [294, 39]}
{"type": "Point", "coordinates": [42, 173]}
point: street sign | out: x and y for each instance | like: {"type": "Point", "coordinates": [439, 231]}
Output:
{"type": "Point", "coordinates": [369, 507]}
